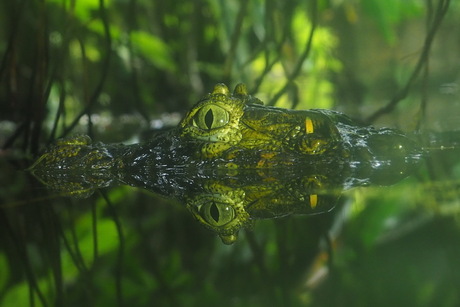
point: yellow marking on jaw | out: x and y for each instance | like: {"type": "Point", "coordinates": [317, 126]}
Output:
{"type": "Point", "coordinates": [313, 201]}
{"type": "Point", "coordinates": [309, 125]}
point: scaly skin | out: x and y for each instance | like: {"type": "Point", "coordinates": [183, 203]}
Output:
{"type": "Point", "coordinates": [232, 160]}
{"type": "Point", "coordinates": [233, 125]}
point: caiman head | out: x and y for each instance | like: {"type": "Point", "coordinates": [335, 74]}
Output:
{"type": "Point", "coordinates": [240, 132]}
{"type": "Point", "coordinates": [239, 135]}
{"type": "Point", "coordinates": [232, 160]}
{"type": "Point", "coordinates": [275, 162]}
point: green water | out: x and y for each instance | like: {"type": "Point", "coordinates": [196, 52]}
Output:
{"type": "Point", "coordinates": [118, 71]}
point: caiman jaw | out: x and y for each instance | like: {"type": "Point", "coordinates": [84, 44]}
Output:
{"type": "Point", "coordinates": [232, 160]}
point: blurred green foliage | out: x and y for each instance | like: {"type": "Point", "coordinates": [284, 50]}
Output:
{"type": "Point", "coordinates": [98, 67]}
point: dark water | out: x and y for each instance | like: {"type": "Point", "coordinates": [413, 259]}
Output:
{"type": "Point", "coordinates": [124, 245]}
{"type": "Point", "coordinates": [62, 74]}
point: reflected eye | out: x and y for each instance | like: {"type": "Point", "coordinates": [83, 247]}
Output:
{"type": "Point", "coordinates": [210, 117]}
{"type": "Point", "coordinates": [217, 214]}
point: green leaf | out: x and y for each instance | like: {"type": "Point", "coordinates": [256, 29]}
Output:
{"type": "Point", "coordinates": [153, 49]}
{"type": "Point", "coordinates": [387, 14]}
{"type": "Point", "coordinates": [4, 276]}
{"type": "Point", "coordinates": [83, 9]}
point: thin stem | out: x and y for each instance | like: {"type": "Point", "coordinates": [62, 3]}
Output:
{"type": "Point", "coordinates": [442, 8]}
{"type": "Point", "coordinates": [105, 69]}
{"type": "Point", "coordinates": [121, 249]}
{"type": "Point", "coordinates": [235, 40]}
{"type": "Point", "coordinates": [302, 58]}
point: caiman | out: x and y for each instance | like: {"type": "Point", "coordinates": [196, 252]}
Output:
{"type": "Point", "coordinates": [232, 160]}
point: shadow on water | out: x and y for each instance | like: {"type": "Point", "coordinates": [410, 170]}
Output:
{"type": "Point", "coordinates": [68, 245]}
{"type": "Point", "coordinates": [371, 219]}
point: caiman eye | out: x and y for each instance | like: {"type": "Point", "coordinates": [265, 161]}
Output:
{"type": "Point", "coordinates": [210, 117]}
{"type": "Point", "coordinates": [217, 214]}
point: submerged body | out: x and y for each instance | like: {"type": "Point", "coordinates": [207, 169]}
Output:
{"type": "Point", "coordinates": [231, 160]}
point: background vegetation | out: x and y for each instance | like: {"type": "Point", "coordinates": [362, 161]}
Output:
{"type": "Point", "coordinates": [116, 69]}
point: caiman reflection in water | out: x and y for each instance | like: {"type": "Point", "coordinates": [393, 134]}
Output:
{"type": "Point", "coordinates": [232, 160]}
